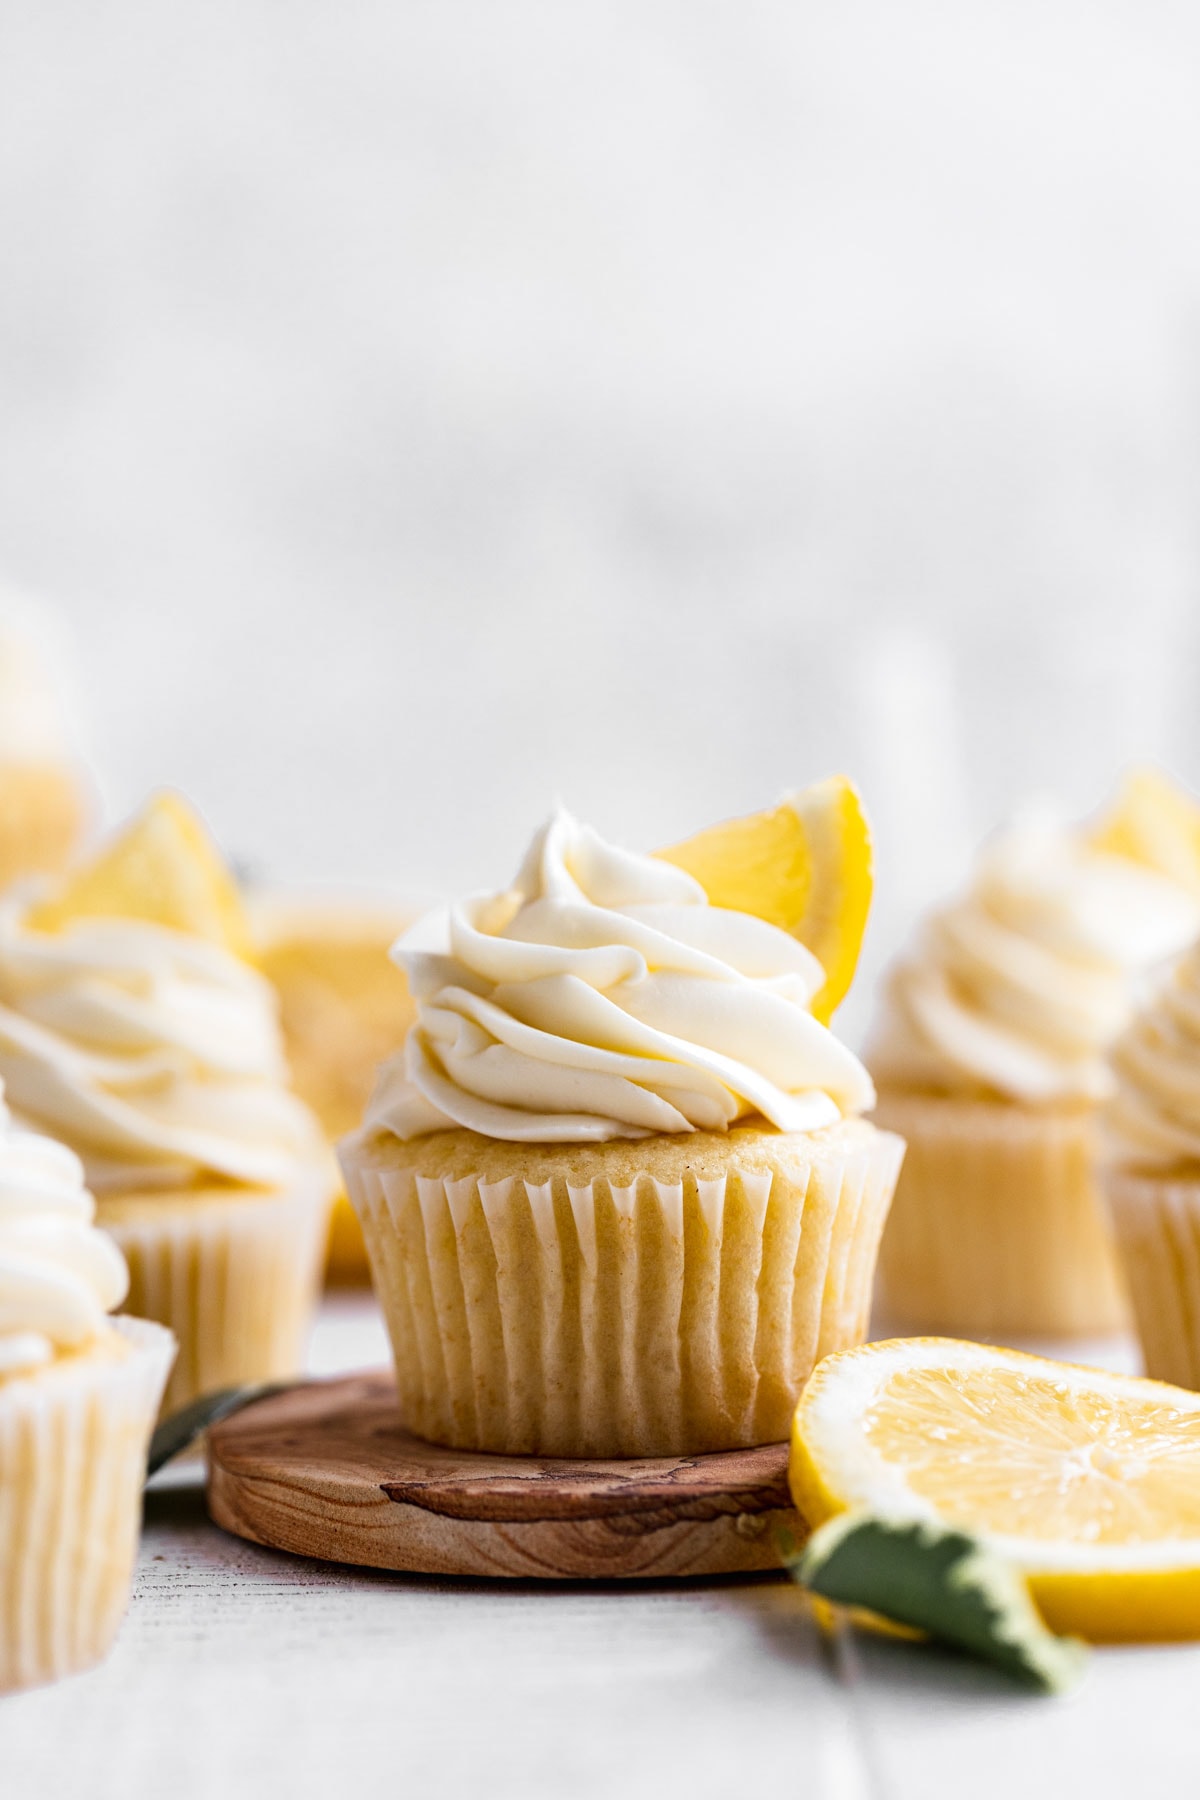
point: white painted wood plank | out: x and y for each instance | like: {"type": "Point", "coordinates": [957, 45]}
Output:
{"type": "Point", "coordinates": [243, 1673]}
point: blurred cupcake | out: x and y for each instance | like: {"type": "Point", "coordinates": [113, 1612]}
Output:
{"type": "Point", "coordinates": [1153, 821]}
{"type": "Point", "coordinates": [990, 1058]}
{"type": "Point", "coordinates": [343, 1006]}
{"type": "Point", "coordinates": [131, 1030]}
{"type": "Point", "coordinates": [1153, 1174]}
{"type": "Point", "coordinates": [44, 796]}
{"type": "Point", "coordinates": [615, 1189]}
{"type": "Point", "coordinates": [78, 1398]}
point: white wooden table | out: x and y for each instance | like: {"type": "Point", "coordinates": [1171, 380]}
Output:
{"type": "Point", "coordinates": [241, 1672]}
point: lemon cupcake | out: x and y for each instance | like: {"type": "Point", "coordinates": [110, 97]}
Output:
{"type": "Point", "coordinates": [343, 1006]}
{"type": "Point", "coordinates": [616, 1192]}
{"type": "Point", "coordinates": [990, 1059]}
{"type": "Point", "coordinates": [44, 798]}
{"type": "Point", "coordinates": [130, 1030]}
{"type": "Point", "coordinates": [1152, 1177]}
{"type": "Point", "coordinates": [78, 1398]}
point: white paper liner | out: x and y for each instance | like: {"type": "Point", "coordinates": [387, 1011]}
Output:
{"type": "Point", "coordinates": [236, 1276]}
{"type": "Point", "coordinates": [1157, 1224]}
{"type": "Point", "coordinates": [998, 1225]}
{"type": "Point", "coordinates": [648, 1319]}
{"type": "Point", "coordinates": [73, 1442]}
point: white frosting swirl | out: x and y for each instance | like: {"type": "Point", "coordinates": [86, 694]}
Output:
{"type": "Point", "coordinates": [601, 996]}
{"type": "Point", "coordinates": [1154, 1119]}
{"type": "Point", "coordinates": [1019, 988]}
{"type": "Point", "coordinates": [59, 1276]}
{"type": "Point", "coordinates": [154, 1054]}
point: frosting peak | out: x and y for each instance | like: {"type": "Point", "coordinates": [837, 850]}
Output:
{"type": "Point", "coordinates": [600, 997]}
{"type": "Point", "coordinates": [154, 1054]}
{"type": "Point", "coordinates": [1019, 987]}
{"type": "Point", "coordinates": [59, 1276]}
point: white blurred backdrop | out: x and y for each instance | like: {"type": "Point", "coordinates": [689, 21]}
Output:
{"type": "Point", "coordinates": [420, 409]}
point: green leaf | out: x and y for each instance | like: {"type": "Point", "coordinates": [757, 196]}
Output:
{"type": "Point", "coordinates": [920, 1573]}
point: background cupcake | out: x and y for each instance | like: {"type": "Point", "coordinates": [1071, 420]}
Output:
{"type": "Point", "coordinates": [615, 1191]}
{"type": "Point", "coordinates": [131, 1030]}
{"type": "Point", "coordinates": [1153, 1175]}
{"type": "Point", "coordinates": [990, 1057]}
{"type": "Point", "coordinates": [343, 1006]}
{"type": "Point", "coordinates": [45, 799]}
{"type": "Point", "coordinates": [78, 1398]}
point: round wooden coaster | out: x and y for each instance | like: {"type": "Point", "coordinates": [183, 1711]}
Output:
{"type": "Point", "coordinates": [326, 1469]}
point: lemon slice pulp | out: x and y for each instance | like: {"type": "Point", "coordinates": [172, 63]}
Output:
{"type": "Point", "coordinates": [805, 866]}
{"type": "Point", "coordinates": [1088, 1481]}
{"type": "Point", "coordinates": [164, 868]}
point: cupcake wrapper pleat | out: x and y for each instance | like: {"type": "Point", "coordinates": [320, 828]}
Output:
{"type": "Point", "coordinates": [72, 1464]}
{"type": "Point", "coordinates": [997, 1224]}
{"type": "Point", "coordinates": [236, 1279]}
{"type": "Point", "coordinates": [1157, 1225]}
{"type": "Point", "coordinates": [655, 1318]}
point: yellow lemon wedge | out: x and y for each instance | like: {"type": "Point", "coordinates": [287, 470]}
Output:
{"type": "Point", "coordinates": [804, 865]}
{"type": "Point", "coordinates": [1155, 822]}
{"type": "Point", "coordinates": [1088, 1482]}
{"type": "Point", "coordinates": [164, 868]}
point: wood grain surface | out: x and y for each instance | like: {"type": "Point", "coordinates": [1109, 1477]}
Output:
{"type": "Point", "coordinates": [328, 1470]}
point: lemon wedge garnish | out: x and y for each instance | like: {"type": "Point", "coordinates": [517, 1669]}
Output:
{"type": "Point", "coordinates": [164, 868]}
{"type": "Point", "coordinates": [805, 865]}
{"type": "Point", "coordinates": [1155, 822]}
{"type": "Point", "coordinates": [1088, 1482]}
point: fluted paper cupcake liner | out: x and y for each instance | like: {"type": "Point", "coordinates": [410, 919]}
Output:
{"type": "Point", "coordinates": [1157, 1224]}
{"type": "Point", "coordinates": [73, 1440]}
{"type": "Point", "coordinates": [997, 1225]}
{"type": "Point", "coordinates": [649, 1317]}
{"type": "Point", "coordinates": [234, 1273]}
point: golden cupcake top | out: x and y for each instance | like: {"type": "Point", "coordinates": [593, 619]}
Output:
{"type": "Point", "coordinates": [1018, 987]}
{"type": "Point", "coordinates": [59, 1275]}
{"type": "Point", "coordinates": [603, 995]}
{"type": "Point", "coordinates": [132, 1029]}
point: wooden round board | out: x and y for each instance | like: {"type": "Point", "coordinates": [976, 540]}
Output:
{"type": "Point", "coordinates": [326, 1469]}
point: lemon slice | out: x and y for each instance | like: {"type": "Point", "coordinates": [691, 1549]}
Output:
{"type": "Point", "coordinates": [1155, 822]}
{"type": "Point", "coordinates": [1088, 1482]}
{"type": "Point", "coordinates": [163, 867]}
{"type": "Point", "coordinates": [805, 866]}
